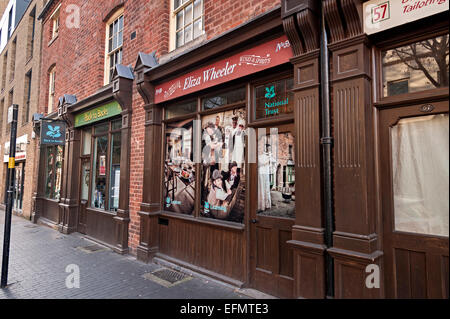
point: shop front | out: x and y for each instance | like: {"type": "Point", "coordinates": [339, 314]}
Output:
{"type": "Point", "coordinates": [83, 182]}
{"type": "Point", "coordinates": [293, 163]}
{"type": "Point", "coordinates": [222, 138]}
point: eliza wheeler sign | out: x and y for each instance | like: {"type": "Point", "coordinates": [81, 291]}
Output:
{"type": "Point", "coordinates": [261, 57]}
{"type": "Point", "coordinates": [380, 15]}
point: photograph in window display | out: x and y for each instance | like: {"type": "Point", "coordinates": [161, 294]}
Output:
{"type": "Point", "coordinates": [179, 169]}
{"type": "Point", "coordinates": [223, 156]}
{"type": "Point", "coordinates": [276, 175]}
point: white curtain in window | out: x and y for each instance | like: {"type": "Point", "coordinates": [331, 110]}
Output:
{"type": "Point", "coordinates": [420, 167]}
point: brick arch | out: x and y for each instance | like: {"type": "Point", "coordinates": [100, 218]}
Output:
{"type": "Point", "coordinates": [111, 8]}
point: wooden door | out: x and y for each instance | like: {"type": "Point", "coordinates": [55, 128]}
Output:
{"type": "Point", "coordinates": [85, 176]}
{"type": "Point", "coordinates": [414, 149]}
{"type": "Point", "coordinates": [272, 218]}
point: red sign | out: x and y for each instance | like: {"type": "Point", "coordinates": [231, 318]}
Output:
{"type": "Point", "coordinates": [261, 57]}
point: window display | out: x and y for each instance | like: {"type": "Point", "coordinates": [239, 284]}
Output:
{"type": "Point", "coordinates": [223, 159]}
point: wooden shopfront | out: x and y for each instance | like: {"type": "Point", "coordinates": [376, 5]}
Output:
{"type": "Point", "coordinates": [208, 134]}
{"type": "Point", "coordinates": [83, 184]}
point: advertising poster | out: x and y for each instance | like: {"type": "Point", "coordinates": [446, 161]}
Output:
{"type": "Point", "coordinates": [223, 158]}
{"type": "Point", "coordinates": [276, 175]}
{"type": "Point", "coordinates": [102, 165]}
{"type": "Point", "coordinates": [179, 168]}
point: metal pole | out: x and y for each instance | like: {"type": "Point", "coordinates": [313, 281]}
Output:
{"type": "Point", "coordinates": [327, 144]}
{"type": "Point", "coordinates": [9, 201]}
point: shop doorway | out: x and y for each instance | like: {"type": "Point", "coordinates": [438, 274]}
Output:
{"type": "Point", "coordinates": [272, 211]}
{"type": "Point", "coordinates": [18, 187]}
{"type": "Point", "coordinates": [414, 149]}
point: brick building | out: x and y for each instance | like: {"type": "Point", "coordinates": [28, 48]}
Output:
{"type": "Point", "coordinates": [20, 78]}
{"type": "Point", "coordinates": [161, 101]}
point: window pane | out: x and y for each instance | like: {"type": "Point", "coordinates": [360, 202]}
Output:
{"type": "Point", "coordinates": [58, 177]}
{"type": "Point", "coordinates": [180, 39]}
{"type": "Point", "coordinates": [176, 3]}
{"type": "Point", "coordinates": [120, 39]}
{"type": "Point", "coordinates": [416, 67]}
{"type": "Point", "coordinates": [197, 8]}
{"type": "Point", "coordinates": [114, 179]}
{"type": "Point", "coordinates": [420, 173]}
{"type": "Point", "coordinates": [110, 45]}
{"type": "Point", "coordinates": [230, 97]}
{"type": "Point", "coordinates": [276, 175]}
{"type": "Point", "coordinates": [101, 129]}
{"type": "Point", "coordinates": [115, 41]}
{"type": "Point", "coordinates": [179, 169]}
{"type": "Point", "coordinates": [99, 170]}
{"type": "Point", "coordinates": [85, 178]}
{"type": "Point", "coordinates": [180, 109]}
{"type": "Point", "coordinates": [188, 14]}
{"type": "Point", "coordinates": [116, 125]}
{"type": "Point", "coordinates": [50, 172]}
{"type": "Point", "coordinates": [198, 28]}
{"type": "Point", "coordinates": [274, 98]}
{"type": "Point", "coordinates": [87, 137]}
{"type": "Point", "coordinates": [180, 22]}
{"type": "Point", "coordinates": [188, 33]}
{"type": "Point", "coordinates": [121, 23]}
{"type": "Point", "coordinates": [223, 169]}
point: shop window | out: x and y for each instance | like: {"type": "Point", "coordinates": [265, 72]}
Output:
{"type": "Point", "coordinates": [114, 46]}
{"type": "Point", "coordinates": [54, 166]}
{"type": "Point", "coordinates": [226, 98]}
{"type": "Point", "coordinates": [276, 175]}
{"type": "Point", "coordinates": [180, 109]}
{"type": "Point", "coordinates": [223, 165]}
{"type": "Point", "coordinates": [187, 21]}
{"type": "Point", "coordinates": [420, 173]}
{"type": "Point", "coordinates": [179, 168]}
{"type": "Point", "coordinates": [106, 166]}
{"type": "Point", "coordinates": [274, 99]}
{"type": "Point", "coordinates": [424, 63]}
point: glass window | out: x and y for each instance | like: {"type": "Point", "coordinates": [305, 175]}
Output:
{"type": "Point", "coordinates": [188, 20]}
{"type": "Point", "coordinates": [114, 179]}
{"type": "Point", "coordinates": [115, 44]}
{"type": "Point", "coordinates": [420, 172]}
{"type": "Point", "coordinates": [54, 166]}
{"type": "Point", "coordinates": [179, 168]}
{"type": "Point", "coordinates": [180, 109]}
{"type": "Point", "coordinates": [416, 67]}
{"type": "Point", "coordinates": [98, 197]}
{"type": "Point", "coordinates": [223, 165]}
{"type": "Point", "coordinates": [87, 141]}
{"type": "Point", "coordinates": [274, 98]}
{"type": "Point", "coordinates": [276, 175]}
{"type": "Point", "coordinates": [226, 98]}
{"type": "Point", "coordinates": [85, 177]}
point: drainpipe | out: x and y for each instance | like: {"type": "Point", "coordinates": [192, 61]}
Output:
{"type": "Point", "coordinates": [326, 142]}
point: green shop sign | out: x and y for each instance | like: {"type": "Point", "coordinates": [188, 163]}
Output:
{"type": "Point", "coordinates": [98, 114]}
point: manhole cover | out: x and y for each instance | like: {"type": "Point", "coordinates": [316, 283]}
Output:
{"type": "Point", "coordinates": [167, 277]}
{"type": "Point", "coordinates": [91, 248]}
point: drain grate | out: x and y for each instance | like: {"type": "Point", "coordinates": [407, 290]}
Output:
{"type": "Point", "coordinates": [167, 277]}
{"type": "Point", "coordinates": [91, 248]}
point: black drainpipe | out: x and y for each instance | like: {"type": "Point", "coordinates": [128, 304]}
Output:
{"type": "Point", "coordinates": [327, 143]}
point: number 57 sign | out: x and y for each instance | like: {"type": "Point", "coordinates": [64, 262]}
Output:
{"type": "Point", "coordinates": [380, 15]}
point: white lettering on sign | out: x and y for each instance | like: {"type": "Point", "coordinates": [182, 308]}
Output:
{"type": "Point", "coordinates": [380, 15]}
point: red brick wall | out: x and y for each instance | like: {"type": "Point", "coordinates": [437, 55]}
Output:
{"type": "Point", "coordinates": [79, 58]}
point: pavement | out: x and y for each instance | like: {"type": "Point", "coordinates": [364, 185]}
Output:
{"type": "Point", "coordinates": [40, 257]}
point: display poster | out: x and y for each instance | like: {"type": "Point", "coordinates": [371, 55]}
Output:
{"type": "Point", "coordinates": [179, 168]}
{"type": "Point", "coordinates": [102, 165]}
{"type": "Point", "coordinates": [223, 159]}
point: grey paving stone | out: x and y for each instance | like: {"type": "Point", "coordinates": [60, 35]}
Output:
{"type": "Point", "coordinates": [39, 257]}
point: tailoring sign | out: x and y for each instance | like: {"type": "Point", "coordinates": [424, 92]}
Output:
{"type": "Point", "coordinates": [261, 57]}
{"type": "Point", "coordinates": [380, 15]}
{"type": "Point", "coordinates": [53, 133]}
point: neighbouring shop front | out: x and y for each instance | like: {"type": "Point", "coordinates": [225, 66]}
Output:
{"type": "Point", "coordinates": [83, 182]}
{"type": "Point", "coordinates": [19, 178]}
{"type": "Point", "coordinates": [275, 164]}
